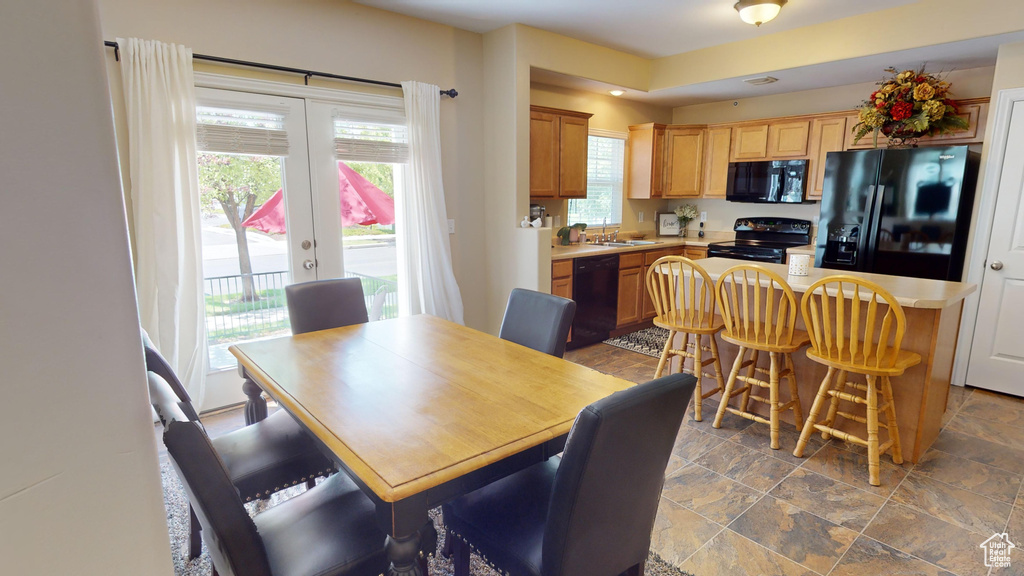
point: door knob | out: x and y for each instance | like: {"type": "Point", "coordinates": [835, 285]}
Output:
{"type": "Point", "coordinates": [997, 265]}
{"type": "Point", "coordinates": [308, 265]}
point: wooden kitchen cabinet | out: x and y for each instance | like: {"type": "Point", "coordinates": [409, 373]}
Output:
{"type": "Point", "coordinates": [558, 153]}
{"type": "Point", "coordinates": [974, 110]}
{"type": "Point", "coordinates": [788, 139]}
{"type": "Point", "coordinates": [684, 153]}
{"type": "Point", "coordinates": [749, 142]}
{"type": "Point", "coordinates": [631, 288]}
{"type": "Point", "coordinates": [716, 162]}
{"type": "Point", "coordinates": [696, 252]}
{"type": "Point", "coordinates": [645, 161]}
{"type": "Point", "coordinates": [827, 135]}
{"type": "Point", "coordinates": [561, 278]}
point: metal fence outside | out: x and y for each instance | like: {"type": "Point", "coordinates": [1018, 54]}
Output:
{"type": "Point", "coordinates": [230, 319]}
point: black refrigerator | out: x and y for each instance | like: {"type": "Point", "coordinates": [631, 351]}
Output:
{"type": "Point", "coordinates": [904, 212]}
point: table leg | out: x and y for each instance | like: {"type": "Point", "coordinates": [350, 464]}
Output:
{"type": "Point", "coordinates": [403, 553]}
{"type": "Point", "coordinates": [255, 406]}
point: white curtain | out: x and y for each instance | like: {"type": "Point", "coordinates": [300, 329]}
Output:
{"type": "Point", "coordinates": [159, 93]}
{"type": "Point", "coordinates": [424, 252]}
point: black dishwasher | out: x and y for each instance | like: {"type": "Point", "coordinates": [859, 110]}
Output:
{"type": "Point", "coordinates": [595, 288]}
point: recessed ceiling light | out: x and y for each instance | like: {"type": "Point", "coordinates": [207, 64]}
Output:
{"type": "Point", "coordinates": [761, 80]}
{"type": "Point", "coordinates": [617, 92]}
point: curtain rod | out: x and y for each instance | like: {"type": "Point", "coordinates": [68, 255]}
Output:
{"type": "Point", "coordinates": [451, 93]}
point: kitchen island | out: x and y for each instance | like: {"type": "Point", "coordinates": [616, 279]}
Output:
{"type": "Point", "coordinates": [932, 308]}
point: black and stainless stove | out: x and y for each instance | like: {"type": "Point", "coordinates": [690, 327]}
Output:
{"type": "Point", "coordinates": [763, 239]}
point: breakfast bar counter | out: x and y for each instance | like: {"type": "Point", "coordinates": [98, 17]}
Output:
{"type": "Point", "coordinates": [932, 308]}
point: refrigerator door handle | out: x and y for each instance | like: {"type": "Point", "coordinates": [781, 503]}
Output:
{"type": "Point", "coordinates": [873, 227]}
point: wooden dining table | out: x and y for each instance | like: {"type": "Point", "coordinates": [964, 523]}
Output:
{"type": "Point", "coordinates": [419, 410]}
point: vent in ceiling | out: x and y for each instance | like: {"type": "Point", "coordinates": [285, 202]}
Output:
{"type": "Point", "coordinates": [761, 80]}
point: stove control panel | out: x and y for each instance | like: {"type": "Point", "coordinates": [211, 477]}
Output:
{"type": "Point", "coordinates": [773, 225]}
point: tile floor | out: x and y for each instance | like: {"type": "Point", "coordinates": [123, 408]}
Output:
{"type": "Point", "coordinates": [732, 505]}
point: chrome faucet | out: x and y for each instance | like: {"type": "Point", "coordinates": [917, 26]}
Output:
{"type": "Point", "coordinates": [604, 237]}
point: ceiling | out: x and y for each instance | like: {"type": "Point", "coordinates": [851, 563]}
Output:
{"type": "Point", "coordinates": [657, 28]}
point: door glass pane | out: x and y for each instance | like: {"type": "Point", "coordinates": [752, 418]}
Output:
{"type": "Point", "coordinates": [245, 252]}
{"type": "Point", "coordinates": [368, 232]}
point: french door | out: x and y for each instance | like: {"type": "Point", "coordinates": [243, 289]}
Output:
{"type": "Point", "coordinates": [278, 208]}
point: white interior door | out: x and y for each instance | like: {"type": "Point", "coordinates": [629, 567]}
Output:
{"type": "Point", "coordinates": [997, 354]}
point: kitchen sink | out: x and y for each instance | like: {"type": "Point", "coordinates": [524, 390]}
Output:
{"type": "Point", "coordinates": [627, 243]}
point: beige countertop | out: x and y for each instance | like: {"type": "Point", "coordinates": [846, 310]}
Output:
{"type": "Point", "coordinates": [559, 252]}
{"type": "Point", "coordinates": [909, 292]}
{"type": "Point", "coordinates": [808, 250]}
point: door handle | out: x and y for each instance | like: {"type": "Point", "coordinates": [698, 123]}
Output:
{"type": "Point", "coordinates": [997, 265]}
{"type": "Point", "coordinates": [308, 264]}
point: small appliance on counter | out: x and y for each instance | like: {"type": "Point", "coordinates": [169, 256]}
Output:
{"type": "Point", "coordinates": [904, 212]}
{"type": "Point", "coordinates": [536, 211]}
{"type": "Point", "coordinates": [772, 181]}
{"type": "Point", "coordinates": [763, 239]}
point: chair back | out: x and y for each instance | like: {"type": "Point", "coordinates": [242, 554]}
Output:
{"type": "Point", "coordinates": [325, 304]}
{"type": "Point", "coordinates": [234, 544]}
{"type": "Point", "coordinates": [608, 484]}
{"type": "Point", "coordinates": [156, 363]}
{"type": "Point", "coordinates": [854, 321]}
{"type": "Point", "coordinates": [682, 292]}
{"type": "Point", "coordinates": [757, 305]}
{"type": "Point", "coordinates": [537, 320]}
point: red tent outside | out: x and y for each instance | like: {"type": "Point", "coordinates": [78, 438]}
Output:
{"type": "Point", "coordinates": [362, 203]}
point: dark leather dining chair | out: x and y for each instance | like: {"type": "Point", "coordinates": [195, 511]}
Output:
{"type": "Point", "coordinates": [537, 320]}
{"type": "Point", "coordinates": [329, 530]}
{"type": "Point", "coordinates": [590, 512]}
{"type": "Point", "coordinates": [325, 304]}
{"type": "Point", "coordinates": [261, 458]}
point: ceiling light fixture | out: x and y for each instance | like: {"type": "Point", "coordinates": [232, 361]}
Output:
{"type": "Point", "coordinates": [617, 92]}
{"type": "Point", "coordinates": [758, 12]}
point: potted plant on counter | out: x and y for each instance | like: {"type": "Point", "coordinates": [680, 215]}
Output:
{"type": "Point", "coordinates": [570, 234]}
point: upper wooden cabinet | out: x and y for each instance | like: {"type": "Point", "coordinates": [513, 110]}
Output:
{"type": "Point", "coordinates": [749, 142]}
{"type": "Point", "coordinates": [684, 161]}
{"type": "Point", "coordinates": [716, 162]}
{"type": "Point", "coordinates": [788, 139]}
{"type": "Point", "coordinates": [558, 153]}
{"type": "Point", "coordinates": [645, 161]}
{"type": "Point", "coordinates": [974, 110]}
{"type": "Point", "coordinates": [827, 135]}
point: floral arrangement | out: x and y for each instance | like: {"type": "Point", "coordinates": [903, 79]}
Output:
{"type": "Point", "coordinates": [685, 213]}
{"type": "Point", "coordinates": [909, 104]}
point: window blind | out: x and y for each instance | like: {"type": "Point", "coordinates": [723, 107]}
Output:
{"type": "Point", "coordinates": [240, 132]}
{"type": "Point", "coordinates": [605, 162]}
{"type": "Point", "coordinates": [370, 142]}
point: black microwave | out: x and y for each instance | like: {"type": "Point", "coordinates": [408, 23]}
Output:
{"type": "Point", "coordinates": [772, 181]}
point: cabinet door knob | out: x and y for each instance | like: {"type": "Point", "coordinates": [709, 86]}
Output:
{"type": "Point", "coordinates": [997, 265]}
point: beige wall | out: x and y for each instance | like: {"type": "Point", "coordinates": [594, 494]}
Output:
{"type": "Point", "coordinates": [343, 38]}
{"type": "Point", "coordinates": [80, 482]}
{"type": "Point", "coordinates": [970, 83]}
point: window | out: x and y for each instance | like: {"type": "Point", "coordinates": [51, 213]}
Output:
{"type": "Point", "coordinates": [605, 159]}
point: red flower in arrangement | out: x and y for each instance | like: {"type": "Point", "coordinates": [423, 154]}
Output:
{"type": "Point", "coordinates": [909, 104]}
{"type": "Point", "coordinates": [902, 110]}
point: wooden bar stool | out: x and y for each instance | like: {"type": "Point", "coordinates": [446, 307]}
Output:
{"type": "Point", "coordinates": [842, 316]}
{"type": "Point", "coordinates": [759, 309]}
{"type": "Point", "coordinates": [685, 306]}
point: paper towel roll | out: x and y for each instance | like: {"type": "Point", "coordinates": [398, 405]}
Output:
{"type": "Point", "coordinates": [799, 264]}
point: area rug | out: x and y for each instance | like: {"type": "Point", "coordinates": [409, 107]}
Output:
{"type": "Point", "coordinates": [176, 503]}
{"type": "Point", "coordinates": [649, 341]}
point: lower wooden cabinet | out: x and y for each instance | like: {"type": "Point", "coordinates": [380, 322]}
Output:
{"type": "Point", "coordinates": [561, 282]}
{"type": "Point", "coordinates": [695, 252]}
{"type": "Point", "coordinates": [631, 288]}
